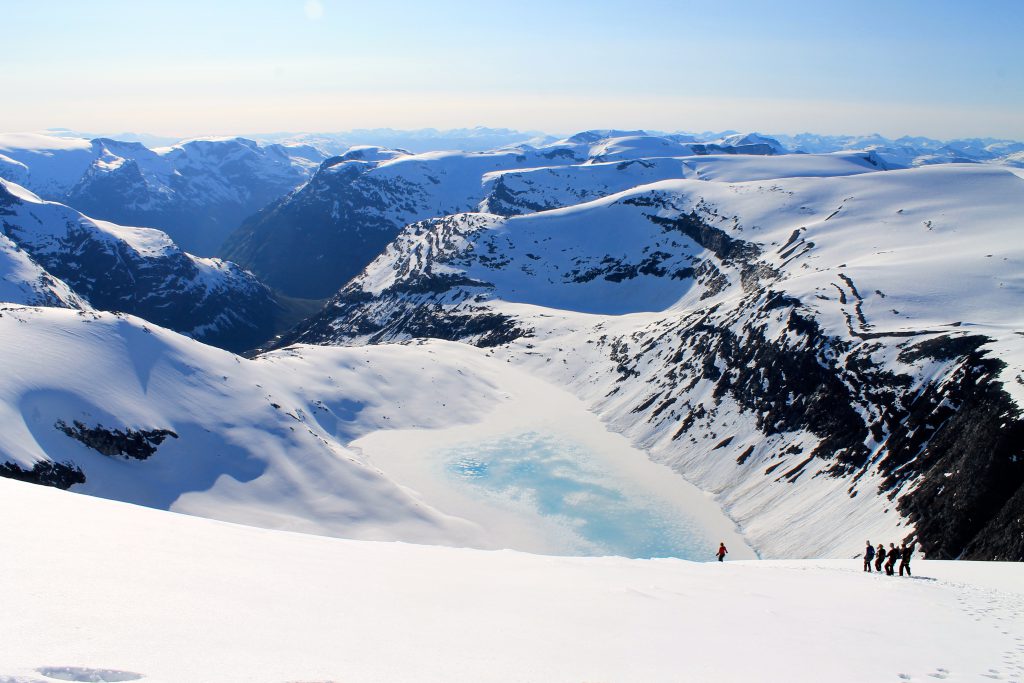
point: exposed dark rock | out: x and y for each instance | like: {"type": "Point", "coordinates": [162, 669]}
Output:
{"type": "Point", "coordinates": [744, 455]}
{"type": "Point", "coordinates": [965, 437]}
{"type": "Point", "coordinates": [47, 473]}
{"type": "Point", "coordinates": [138, 444]}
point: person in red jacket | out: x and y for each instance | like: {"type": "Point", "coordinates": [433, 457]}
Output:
{"type": "Point", "coordinates": [721, 552]}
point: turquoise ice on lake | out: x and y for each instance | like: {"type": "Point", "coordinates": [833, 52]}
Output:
{"type": "Point", "coordinates": [556, 479]}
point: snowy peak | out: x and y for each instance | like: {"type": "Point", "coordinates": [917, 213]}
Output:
{"type": "Point", "coordinates": [753, 143]}
{"type": "Point", "coordinates": [139, 270]}
{"type": "Point", "coordinates": [908, 151]}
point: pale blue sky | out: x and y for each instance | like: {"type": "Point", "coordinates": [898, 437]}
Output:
{"type": "Point", "coordinates": [192, 67]}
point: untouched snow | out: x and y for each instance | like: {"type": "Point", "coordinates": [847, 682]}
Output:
{"type": "Point", "coordinates": [96, 590]}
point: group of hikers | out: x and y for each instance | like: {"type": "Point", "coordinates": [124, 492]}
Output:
{"type": "Point", "coordinates": [903, 554]}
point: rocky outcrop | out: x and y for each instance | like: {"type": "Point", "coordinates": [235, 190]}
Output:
{"type": "Point", "coordinates": [129, 443]}
{"type": "Point", "coordinates": [46, 473]}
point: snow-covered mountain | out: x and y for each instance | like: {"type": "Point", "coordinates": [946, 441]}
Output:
{"type": "Point", "coordinates": [909, 151]}
{"type": "Point", "coordinates": [55, 255]}
{"type": "Point", "coordinates": [312, 241]}
{"type": "Point", "coordinates": [197, 191]}
{"type": "Point", "coordinates": [824, 353]}
{"type": "Point", "coordinates": [511, 193]}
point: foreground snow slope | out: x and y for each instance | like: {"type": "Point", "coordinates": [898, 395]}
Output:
{"type": "Point", "coordinates": [96, 590]}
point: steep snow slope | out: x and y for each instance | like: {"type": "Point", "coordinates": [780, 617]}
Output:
{"type": "Point", "coordinates": [138, 270]}
{"type": "Point", "coordinates": [197, 191]}
{"type": "Point", "coordinates": [52, 165]}
{"type": "Point", "coordinates": [23, 281]}
{"type": "Point", "coordinates": [124, 410]}
{"type": "Point", "coordinates": [830, 356]}
{"type": "Point", "coordinates": [97, 590]}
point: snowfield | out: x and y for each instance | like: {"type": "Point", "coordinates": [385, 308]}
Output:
{"type": "Point", "coordinates": [96, 590]}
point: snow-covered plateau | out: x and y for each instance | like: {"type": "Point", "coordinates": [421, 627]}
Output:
{"type": "Point", "coordinates": [96, 590]}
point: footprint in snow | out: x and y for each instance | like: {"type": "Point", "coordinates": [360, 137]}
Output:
{"type": "Point", "coordinates": [86, 675]}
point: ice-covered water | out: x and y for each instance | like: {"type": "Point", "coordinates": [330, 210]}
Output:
{"type": "Point", "coordinates": [609, 514]}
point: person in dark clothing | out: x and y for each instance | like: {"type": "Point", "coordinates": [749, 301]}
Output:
{"type": "Point", "coordinates": [906, 552]}
{"type": "Point", "coordinates": [879, 557]}
{"type": "Point", "coordinates": [721, 552]}
{"type": "Point", "coordinates": [869, 554]}
{"type": "Point", "coordinates": [890, 559]}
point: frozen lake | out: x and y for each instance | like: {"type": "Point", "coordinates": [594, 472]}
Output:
{"type": "Point", "coordinates": [608, 514]}
{"type": "Point", "coordinates": [542, 474]}
{"type": "Point", "coordinates": [546, 491]}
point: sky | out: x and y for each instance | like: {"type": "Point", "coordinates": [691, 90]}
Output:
{"type": "Point", "coordinates": [224, 67]}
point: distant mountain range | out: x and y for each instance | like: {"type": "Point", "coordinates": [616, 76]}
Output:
{"type": "Point", "coordinates": [197, 191]}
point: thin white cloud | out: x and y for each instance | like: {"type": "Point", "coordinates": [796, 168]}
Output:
{"type": "Point", "coordinates": [314, 9]}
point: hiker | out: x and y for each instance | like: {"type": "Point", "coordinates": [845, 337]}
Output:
{"type": "Point", "coordinates": [890, 559]}
{"type": "Point", "coordinates": [721, 552]}
{"type": "Point", "coordinates": [879, 557]}
{"type": "Point", "coordinates": [869, 554]}
{"type": "Point", "coordinates": [905, 554]}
